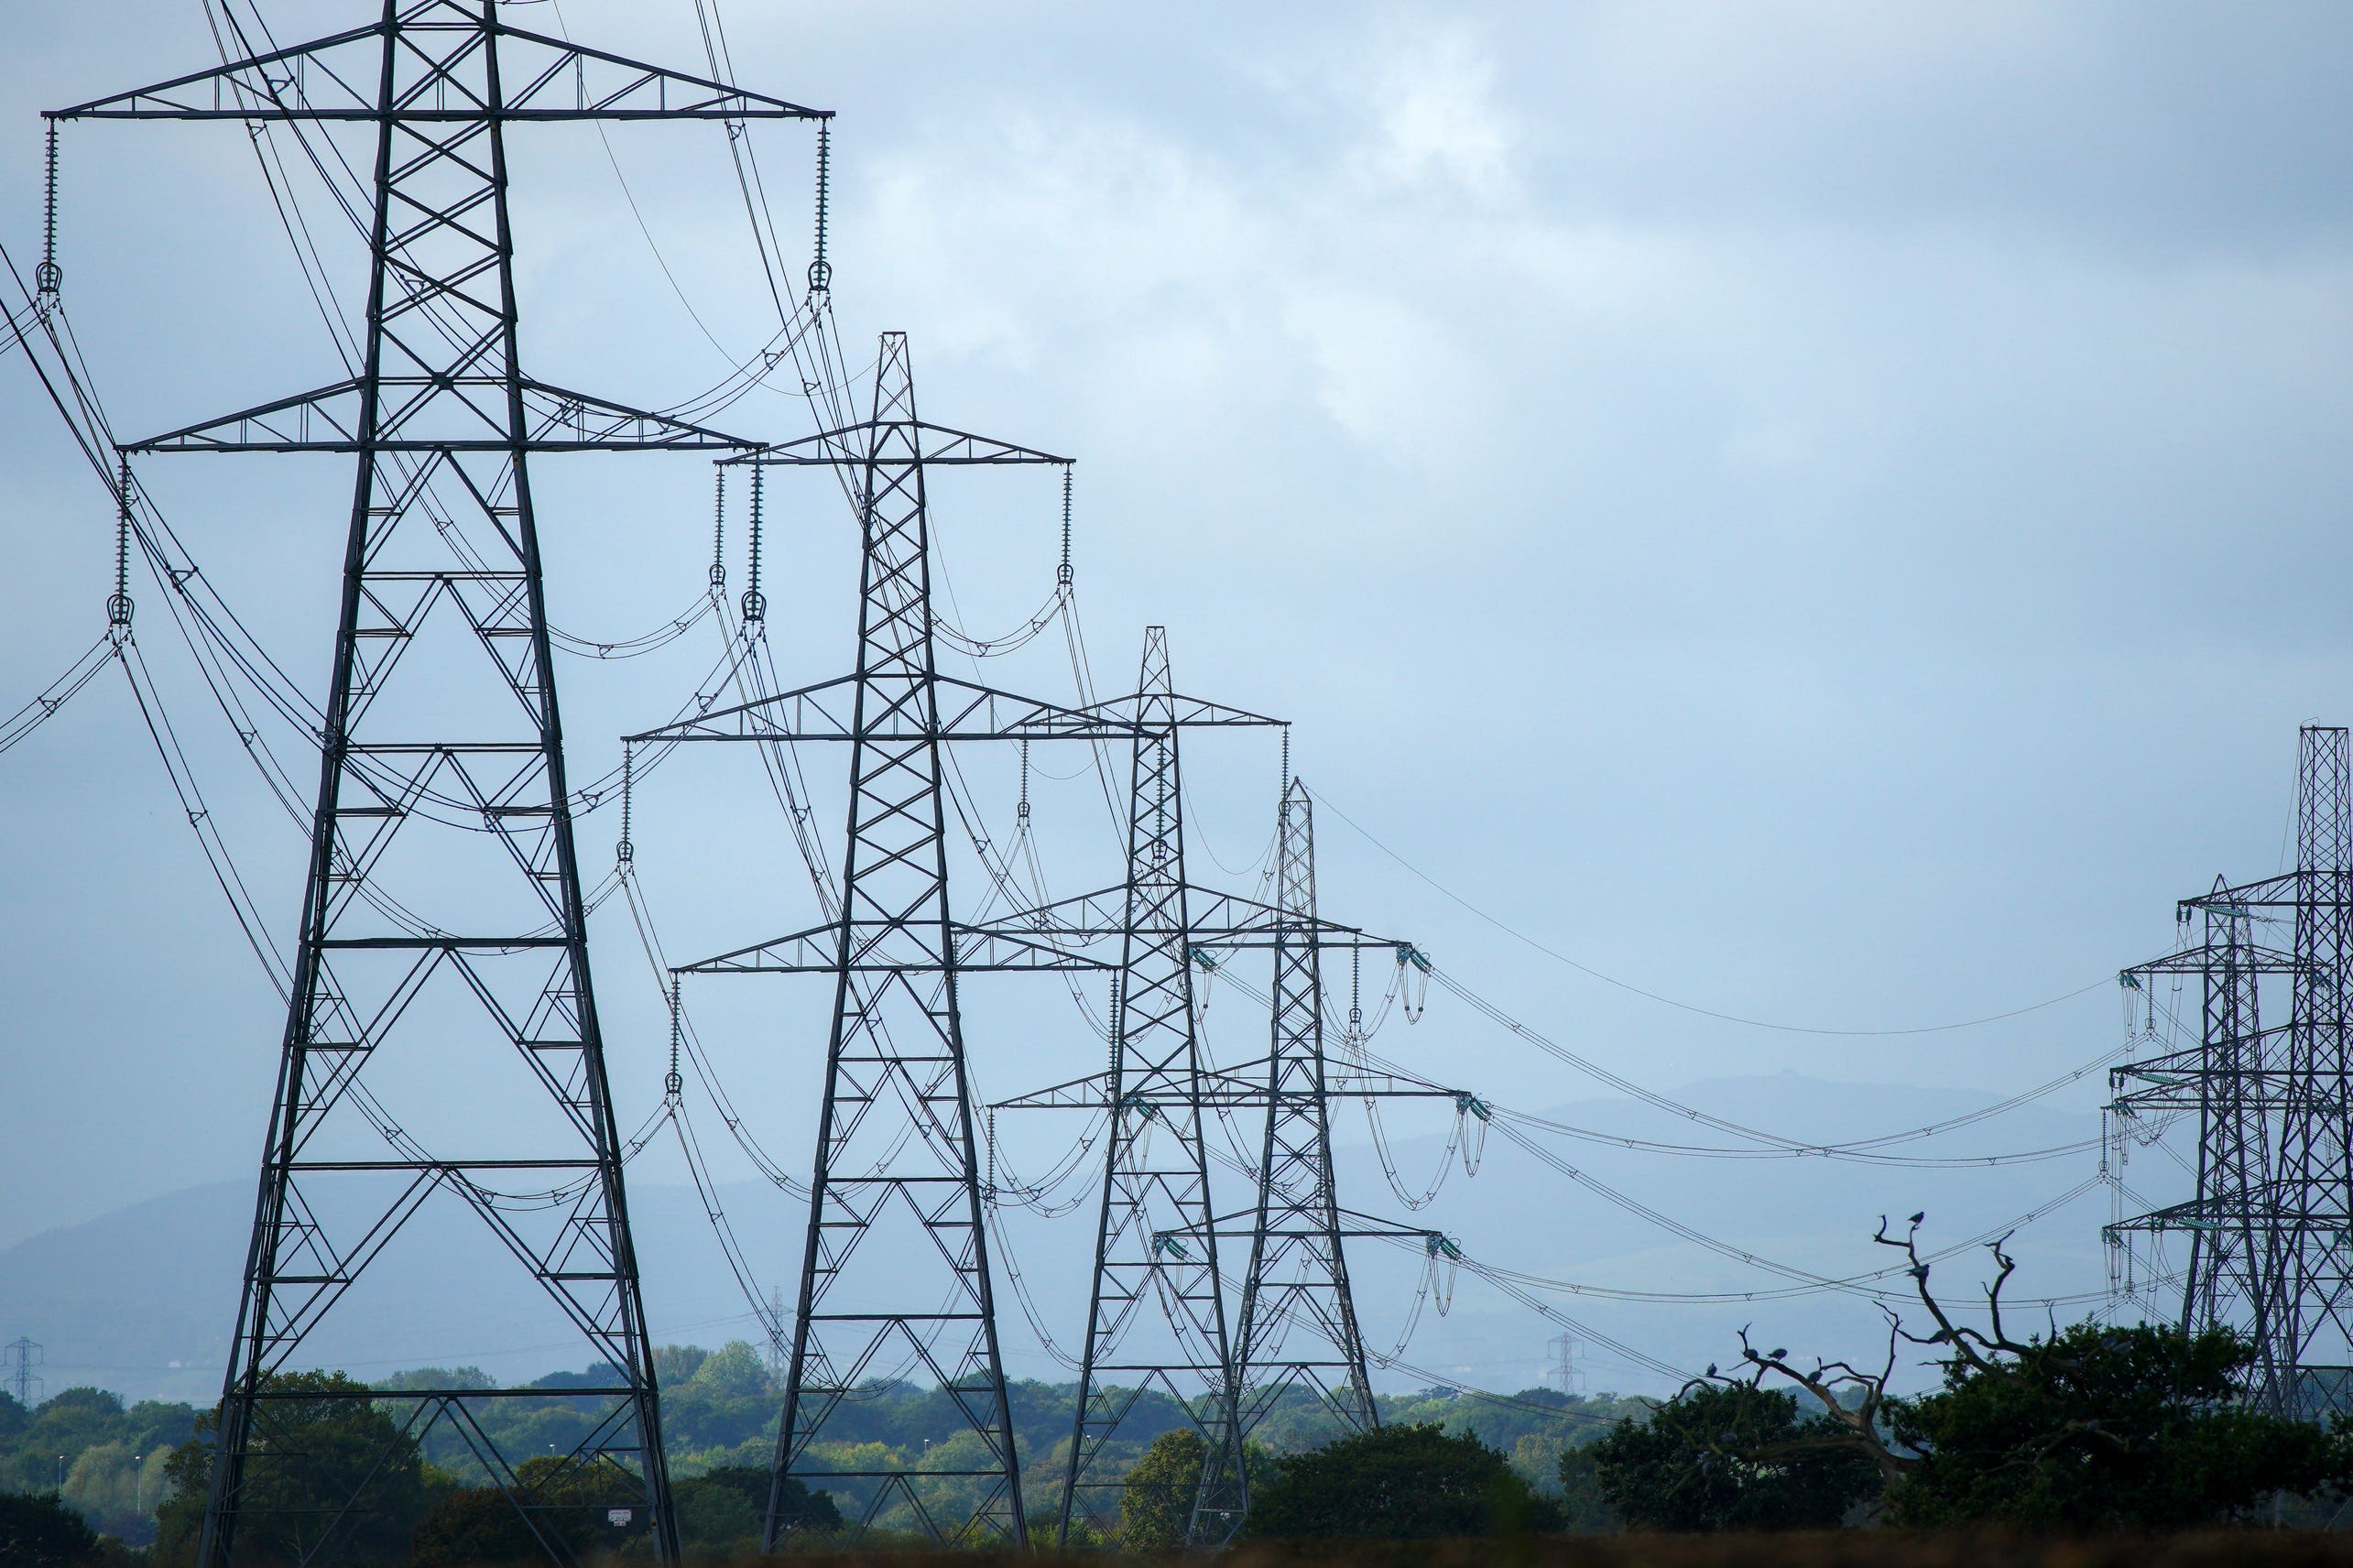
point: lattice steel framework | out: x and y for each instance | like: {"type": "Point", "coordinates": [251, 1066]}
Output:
{"type": "Point", "coordinates": [1142, 1093]}
{"type": "Point", "coordinates": [1156, 1309]}
{"type": "Point", "coordinates": [442, 902]}
{"type": "Point", "coordinates": [2271, 1227]}
{"type": "Point", "coordinates": [1299, 1320]}
{"type": "Point", "coordinates": [897, 1175]}
{"type": "Point", "coordinates": [895, 1061]}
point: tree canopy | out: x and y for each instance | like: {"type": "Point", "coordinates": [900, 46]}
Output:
{"type": "Point", "coordinates": [321, 1467]}
{"type": "Point", "coordinates": [1728, 1456]}
{"type": "Point", "coordinates": [1156, 1504]}
{"type": "Point", "coordinates": [2093, 1428]}
{"type": "Point", "coordinates": [1396, 1482]}
{"type": "Point", "coordinates": [38, 1530]}
{"type": "Point", "coordinates": [2100, 1428]}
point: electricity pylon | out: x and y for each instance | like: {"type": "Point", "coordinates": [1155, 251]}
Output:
{"type": "Point", "coordinates": [897, 1183]}
{"type": "Point", "coordinates": [1156, 1309]}
{"type": "Point", "coordinates": [1298, 1279]}
{"type": "Point", "coordinates": [1156, 1230]}
{"type": "Point", "coordinates": [442, 902]}
{"type": "Point", "coordinates": [2271, 1227]}
{"type": "Point", "coordinates": [19, 1378]}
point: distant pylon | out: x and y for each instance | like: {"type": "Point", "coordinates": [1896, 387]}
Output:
{"type": "Point", "coordinates": [1298, 1319]}
{"type": "Point", "coordinates": [23, 1357]}
{"type": "Point", "coordinates": [442, 903]}
{"type": "Point", "coordinates": [1564, 1362]}
{"type": "Point", "coordinates": [1156, 1314]}
{"type": "Point", "coordinates": [2271, 1227]}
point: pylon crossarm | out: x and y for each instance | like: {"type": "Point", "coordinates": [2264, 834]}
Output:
{"type": "Point", "coordinates": [885, 947]}
{"type": "Point", "coordinates": [1215, 920]}
{"type": "Point", "coordinates": [824, 711]}
{"type": "Point", "coordinates": [2197, 959]}
{"type": "Point", "coordinates": [1227, 1087]}
{"type": "Point", "coordinates": [1162, 710]}
{"type": "Point", "coordinates": [1241, 1087]}
{"type": "Point", "coordinates": [2268, 893]}
{"type": "Point", "coordinates": [1243, 1223]}
{"type": "Point", "coordinates": [328, 420]}
{"type": "Point", "coordinates": [335, 78]}
{"type": "Point", "coordinates": [2266, 1218]}
{"type": "Point", "coordinates": [917, 441]}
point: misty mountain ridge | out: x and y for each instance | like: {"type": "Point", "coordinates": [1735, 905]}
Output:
{"type": "Point", "coordinates": [142, 1299]}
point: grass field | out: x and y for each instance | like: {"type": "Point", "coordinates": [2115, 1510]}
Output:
{"type": "Point", "coordinates": [1833, 1549]}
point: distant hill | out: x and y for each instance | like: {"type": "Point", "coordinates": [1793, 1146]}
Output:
{"type": "Point", "coordinates": [142, 1299]}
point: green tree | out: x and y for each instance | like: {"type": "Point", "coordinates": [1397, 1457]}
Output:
{"type": "Point", "coordinates": [2107, 1429]}
{"type": "Point", "coordinates": [320, 1467]}
{"type": "Point", "coordinates": [733, 1371]}
{"type": "Point", "coordinates": [556, 1500]}
{"type": "Point", "coordinates": [1726, 1456]}
{"type": "Point", "coordinates": [1156, 1501]}
{"type": "Point", "coordinates": [1584, 1510]}
{"type": "Point", "coordinates": [437, 1378]}
{"type": "Point", "coordinates": [726, 1508]}
{"type": "Point", "coordinates": [38, 1530]}
{"type": "Point", "coordinates": [674, 1364]}
{"type": "Point", "coordinates": [1395, 1483]}
{"type": "Point", "coordinates": [2094, 1428]}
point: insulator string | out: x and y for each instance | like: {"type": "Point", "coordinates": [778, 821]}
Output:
{"type": "Point", "coordinates": [118, 607]}
{"type": "Point", "coordinates": [625, 852]}
{"type": "Point", "coordinates": [1062, 572]}
{"type": "Point", "coordinates": [755, 606]}
{"type": "Point", "coordinates": [48, 276]}
{"type": "Point", "coordinates": [821, 272]}
{"type": "Point", "coordinates": [719, 528]}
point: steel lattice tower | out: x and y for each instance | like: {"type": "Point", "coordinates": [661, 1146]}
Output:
{"type": "Point", "coordinates": [2271, 1226]}
{"type": "Point", "coordinates": [1156, 1312]}
{"type": "Point", "coordinates": [20, 1378]}
{"type": "Point", "coordinates": [895, 1061]}
{"type": "Point", "coordinates": [897, 1176]}
{"type": "Point", "coordinates": [442, 902]}
{"type": "Point", "coordinates": [1146, 1195]}
{"type": "Point", "coordinates": [1298, 1279]}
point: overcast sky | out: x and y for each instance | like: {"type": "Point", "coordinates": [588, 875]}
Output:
{"type": "Point", "coordinates": [1830, 513]}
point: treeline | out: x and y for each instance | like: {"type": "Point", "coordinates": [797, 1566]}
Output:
{"type": "Point", "coordinates": [114, 1465]}
{"type": "Point", "coordinates": [107, 1461]}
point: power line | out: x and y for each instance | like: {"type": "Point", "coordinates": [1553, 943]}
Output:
{"type": "Point", "coordinates": [1592, 972]}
